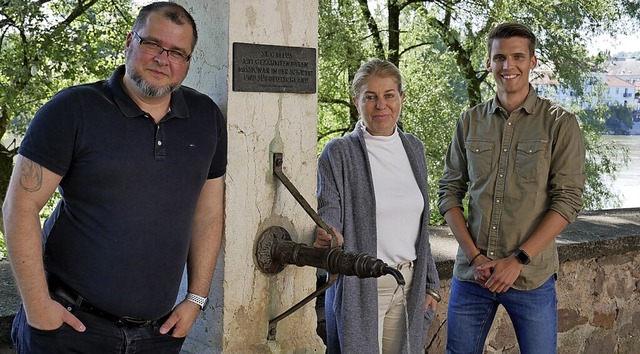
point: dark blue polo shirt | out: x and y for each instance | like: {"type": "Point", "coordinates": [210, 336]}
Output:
{"type": "Point", "coordinates": [120, 236]}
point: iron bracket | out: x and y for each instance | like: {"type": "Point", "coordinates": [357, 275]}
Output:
{"type": "Point", "coordinates": [331, 278]}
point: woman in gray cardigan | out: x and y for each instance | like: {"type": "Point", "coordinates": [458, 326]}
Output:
{"type": "Point", "coordinates": [372, 188]}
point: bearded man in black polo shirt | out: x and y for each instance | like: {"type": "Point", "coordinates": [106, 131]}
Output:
{"type": "Point", "coordinates": [139, 161]}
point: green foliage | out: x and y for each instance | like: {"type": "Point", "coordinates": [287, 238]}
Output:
{"type": "Point", "coordinates": [603, 161]}
{"type": "Point", "coordinates": [50, 206]}
{"type": "Point", "coordinates": [619, 119]}
{"type": "Point", "coordinates": [343, 46]}
{"type": "Point", "coordinates": [440, 48]}
{"type": "Point", "coordinates": [615, 119]}
{"type": "Point", "coordinates": [429, 111]}
{"type": "Point", "coordinates": [3, 248]}
{"type": "Point", "coordinates": [45, 213]}
{"type": "Point", "coordinates": [46, 46]}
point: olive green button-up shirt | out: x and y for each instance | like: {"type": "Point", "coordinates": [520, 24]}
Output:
{"type": "Point", "coordinates": [515, 168]}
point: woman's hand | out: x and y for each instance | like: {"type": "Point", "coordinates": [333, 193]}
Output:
{"type": "Point", "coordinates": [323, 238]}
{"type": "Point", "coordinates": [430, 302]}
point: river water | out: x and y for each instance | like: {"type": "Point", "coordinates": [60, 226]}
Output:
{"type": "Point", "coordinates": [627, 183]}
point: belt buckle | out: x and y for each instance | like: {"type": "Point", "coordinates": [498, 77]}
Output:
{"type": "Point", "coordinates": [132, 322]}
{"type": "Point", "coordinates": [405, 264]}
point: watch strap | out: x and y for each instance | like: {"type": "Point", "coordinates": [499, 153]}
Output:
{"type": "Point", "coordinates": [197, 299]}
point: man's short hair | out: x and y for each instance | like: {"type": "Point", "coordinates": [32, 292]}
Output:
{"type": "Point", "coordinates": [510, 29]}
{"type": "Point", "coordinates": [171, 11]}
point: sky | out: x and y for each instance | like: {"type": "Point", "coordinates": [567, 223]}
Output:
{"type": "Point", "coordinates": [626, 43]}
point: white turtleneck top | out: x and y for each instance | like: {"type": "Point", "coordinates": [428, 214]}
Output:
{"type": "Point", "coordinates": [399, 203]}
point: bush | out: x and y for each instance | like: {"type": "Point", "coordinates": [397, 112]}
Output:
{"type": "Point", "coordinates": [3, 249]}
{"type": "Point", "coordinates": [46, 211]}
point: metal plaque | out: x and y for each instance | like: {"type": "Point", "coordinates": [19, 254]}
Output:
{"type": "Point", "coordinates": [271, 68]}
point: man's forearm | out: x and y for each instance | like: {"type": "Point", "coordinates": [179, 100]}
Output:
{"type": "Point", "coordinates": [546, 232]}
{"type": "Point", "coordinates": [24, 245]}
{"type": "Point", "coordinates": [458, 225]}
{"type": "Point", "coordinates": [202, 261]}
{"type": "Point", "coordinates": [206, 238]}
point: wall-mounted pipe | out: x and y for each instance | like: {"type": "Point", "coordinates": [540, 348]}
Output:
{"type": "Point", "coordinates": [276, 250]}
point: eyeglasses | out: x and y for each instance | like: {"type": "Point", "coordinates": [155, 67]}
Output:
{"type": "Point", "coordinates": [154, 49]}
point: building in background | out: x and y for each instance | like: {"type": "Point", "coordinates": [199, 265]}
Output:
{"type": "Point", "coordinates": [617, 85]}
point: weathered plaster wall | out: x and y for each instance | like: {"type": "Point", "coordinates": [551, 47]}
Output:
{"type": "Point", "coordinates": [258, 124]}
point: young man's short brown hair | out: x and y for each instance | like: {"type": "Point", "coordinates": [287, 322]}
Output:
{"type": "Point", "coordinates": [508, 30]}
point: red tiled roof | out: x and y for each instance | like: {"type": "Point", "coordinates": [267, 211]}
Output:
{"type": "Point", "coordinates": [614, 81]}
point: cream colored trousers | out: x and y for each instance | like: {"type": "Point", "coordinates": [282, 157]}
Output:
{"type": "Point", "coordinates": [391, 312]}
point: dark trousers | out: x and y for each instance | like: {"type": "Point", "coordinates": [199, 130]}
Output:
{"type": "Point", "coordinates": [102, 336]}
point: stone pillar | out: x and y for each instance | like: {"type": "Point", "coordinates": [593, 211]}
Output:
{"type": "Point", "coordinates": [243, 299]}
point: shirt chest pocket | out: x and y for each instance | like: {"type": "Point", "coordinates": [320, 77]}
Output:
{"type": "Point", "coordinates": [530, 155]}
{"type": "Point", "coordinates": [479, 157]}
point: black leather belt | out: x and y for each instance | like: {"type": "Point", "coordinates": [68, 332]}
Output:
{"type": "Point", "coordinates": [70, 299]}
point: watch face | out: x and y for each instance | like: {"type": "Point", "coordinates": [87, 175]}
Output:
{"type": "Point", "coordinates": [206, 302]}
{"type": "Point", "coordinates": [522, 257]}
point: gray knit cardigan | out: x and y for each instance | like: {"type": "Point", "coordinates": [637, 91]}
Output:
{"type": "Point", "coordinates": [346, 200]}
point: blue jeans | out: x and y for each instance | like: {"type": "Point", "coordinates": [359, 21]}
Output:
{"type": "Point", "coordinates": [472, 308]}
{"type": "Point", "coordinates": [101, 336]}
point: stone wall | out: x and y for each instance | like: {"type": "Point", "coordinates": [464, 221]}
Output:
{"type": "Point", "coordinates": [598, 309]}
{"type": "Point", "coordinates": [598, 289]}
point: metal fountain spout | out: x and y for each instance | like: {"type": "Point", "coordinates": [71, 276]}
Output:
{"type": "Point", "coordinates": [275, 250]}
{"type": "Point", "coordinates": [394, 273]}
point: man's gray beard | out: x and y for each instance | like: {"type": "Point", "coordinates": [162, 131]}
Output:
{"type": "Point", "coordinates": [145, 88]}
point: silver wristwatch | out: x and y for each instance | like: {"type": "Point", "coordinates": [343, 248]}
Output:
{"type": "Point", "coordinates": [197, 299]}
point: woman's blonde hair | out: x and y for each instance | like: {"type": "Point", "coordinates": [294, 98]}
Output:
{"type": "Point", "coordinates": [375, 67]}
